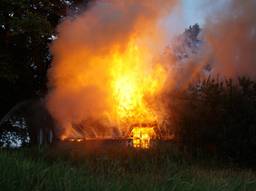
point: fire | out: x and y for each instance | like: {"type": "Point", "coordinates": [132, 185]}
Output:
{"type": "Point", "coordinates": [133, 83]}
{"type": "Point", "coordinates": [107, 77]}
{"type": "Point", "coordinates": [142, 136]}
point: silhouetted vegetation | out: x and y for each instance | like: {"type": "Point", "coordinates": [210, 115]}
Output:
{"type": "Point", "coordinates": [27, 27]}
{"type": "Point", "coordinates": [218, 117]}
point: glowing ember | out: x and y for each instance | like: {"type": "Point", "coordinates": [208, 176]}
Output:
{"type": "Point", "coordinates": [79, 140]}
{"type": "Point", "coordinates": [142, 136]}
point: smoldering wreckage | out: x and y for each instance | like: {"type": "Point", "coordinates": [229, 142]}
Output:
{"type": "Point", "coordinates": [109, 80]}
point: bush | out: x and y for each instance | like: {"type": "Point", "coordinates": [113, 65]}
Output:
{"type": "Point", "coordinates": [218, 117]}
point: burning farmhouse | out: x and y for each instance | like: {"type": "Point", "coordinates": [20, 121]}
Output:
{"type": "Point", "coordinates": [106, 80]}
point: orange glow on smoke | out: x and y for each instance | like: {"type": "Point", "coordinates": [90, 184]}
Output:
{"type": "Point", "coordinates": [107, 77]}
{"type": "Point", "coordinates": [132, 85]}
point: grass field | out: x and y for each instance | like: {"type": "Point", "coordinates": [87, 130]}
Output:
{"type": "Point", "coordinates": [89, 167]}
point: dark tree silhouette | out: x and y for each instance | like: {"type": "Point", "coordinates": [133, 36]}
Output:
{"type": "Point", "coordinates": [219, 117]}
{"type": "Point", "coordinates": [26, 29]}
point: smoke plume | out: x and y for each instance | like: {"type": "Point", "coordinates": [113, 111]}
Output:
{"type": "Point", "coordinates": [230, 33]}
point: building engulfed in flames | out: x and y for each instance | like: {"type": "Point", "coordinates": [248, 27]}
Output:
{"type": "Point", "coordinates": [132, 85]}
{"type": "Point", "coordinates": [106, 79]}
{"type": "Point", "coordinates": [134, 88]}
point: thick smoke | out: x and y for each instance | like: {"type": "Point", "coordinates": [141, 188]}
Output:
{"type": "Point", "coordinates": [231, 34]}
{"type": "Point", "coordinates": [228, 44]}
{"type": "Point", "coordinates": [79, 78]}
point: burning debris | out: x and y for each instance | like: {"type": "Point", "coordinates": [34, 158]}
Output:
{"type": "Point", "coordinates": [142, 134]}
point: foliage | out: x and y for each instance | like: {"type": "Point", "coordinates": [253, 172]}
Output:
{"type": "Point", "coordinates": [186, 45]}
{"type": "Point", "coordinates": [219, 117]}
{"type": "Point", "coordinates": [14, 133]}
{"type": "Point", "coordinates": [26, 28]}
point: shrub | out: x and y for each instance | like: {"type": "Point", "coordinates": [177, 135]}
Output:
{"type": "Point", "coordinates": [218, 117]}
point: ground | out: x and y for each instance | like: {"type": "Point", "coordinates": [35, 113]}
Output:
{"type": "Point", "coordinates": [101, 166]}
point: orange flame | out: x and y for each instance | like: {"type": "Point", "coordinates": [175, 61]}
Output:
{"type": "Point", "coordinates": [142, 136]}
{"type": "Point", "coordinates": [106, 77]}
{"type": "Point", "coordinates": [132, 83]}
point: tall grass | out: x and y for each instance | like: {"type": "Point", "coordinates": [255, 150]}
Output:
{"type": "Point", "coordinates": [33, 169]}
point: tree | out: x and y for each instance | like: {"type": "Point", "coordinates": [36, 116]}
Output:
{"type": "Point", "coordinates": [26, 29]}
{"type": "Point", "coordinates": [187, 44]}
{"type": "Point", "coordinates": [219, 116]}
